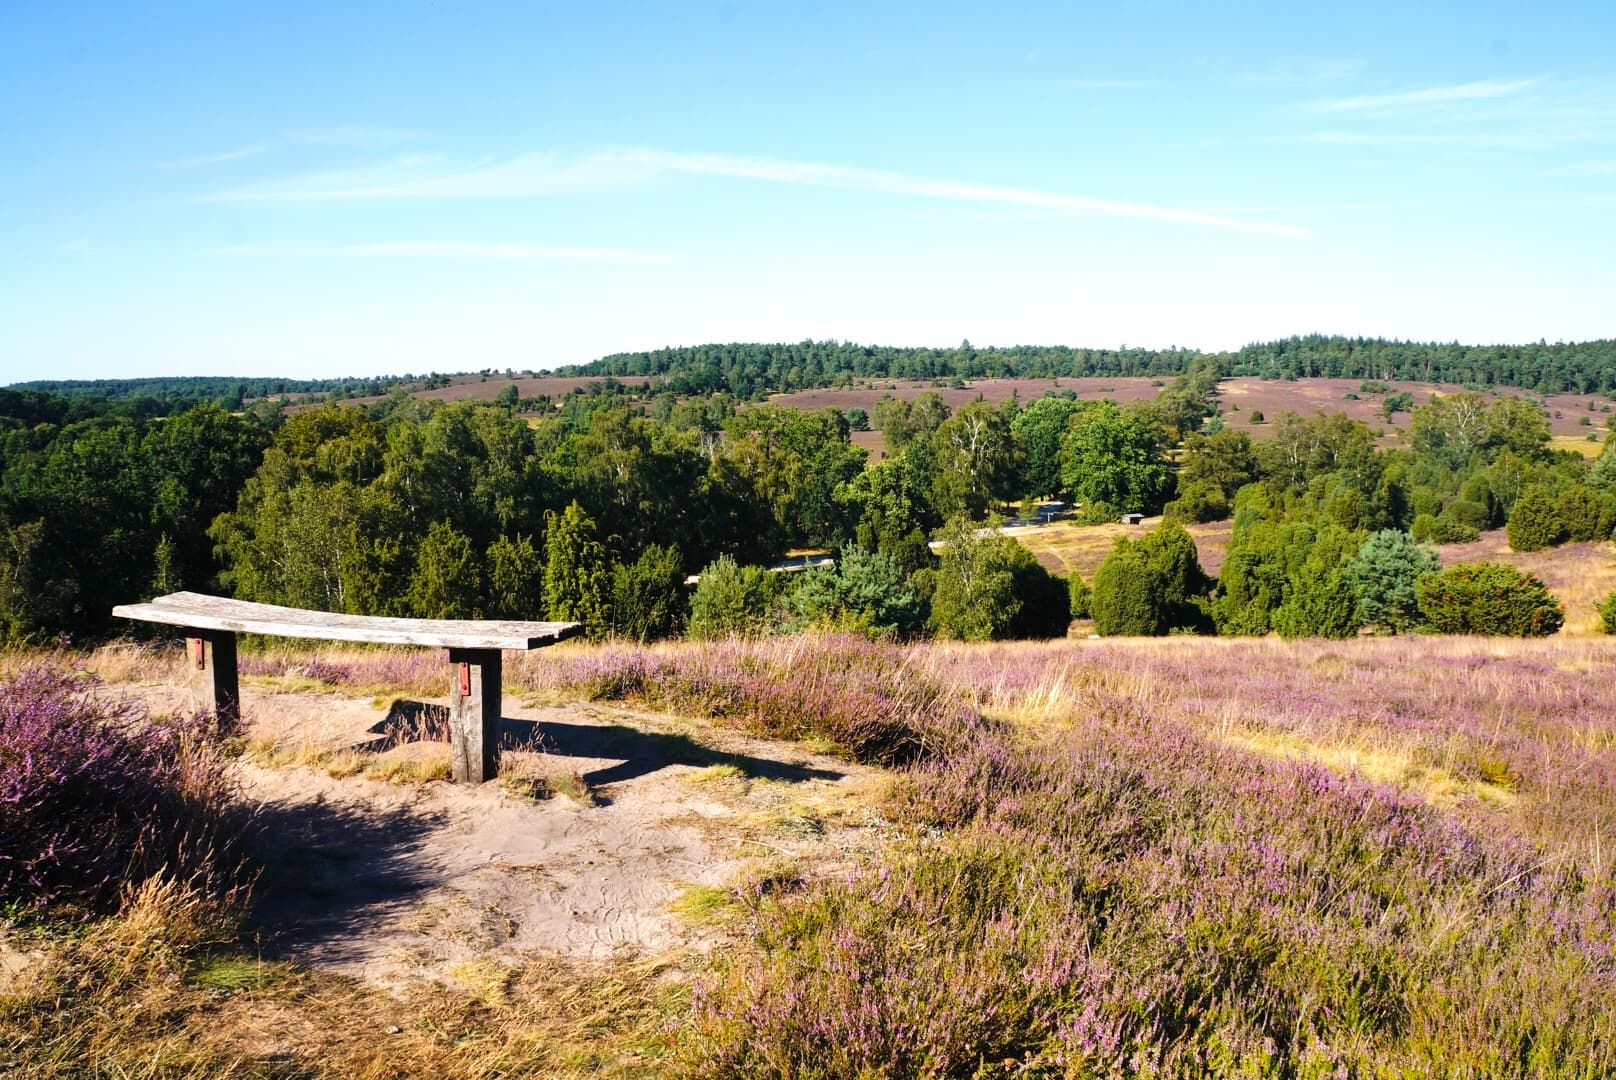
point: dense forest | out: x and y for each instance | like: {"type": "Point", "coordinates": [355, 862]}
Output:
{"type": "Point", "coordinates": [598, 508]}
{"type": "Point", "coordinates": [750, 370]}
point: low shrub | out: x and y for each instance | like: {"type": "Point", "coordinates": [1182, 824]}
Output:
{"type": "Point", "coordinates": [96, 797]}
{"type": "Point", "coordinates": [1607, 614]}
{"type": "Point", "coordinates": [1534, 521]}
{"type": "Point", "coordinates": [1488, 598]}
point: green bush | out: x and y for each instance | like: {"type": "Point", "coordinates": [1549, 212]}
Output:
{"type": "Point", "coordinates": [1046, 601]}
{"type": "Point", "coordinates": [1098, 512]}
{"type": "Point", "coordinates": [1197, 503]}
{"type": "Point", "coordinates": [987, 586]}
{"type": "Point", "coordinates": [1319, 602]}
{"type": "Point", "coordinates": [648, 595]}
{"type": "Point", "coordinates": [1607, 614]}
{"type": "Point", "coordinates": [1446, 530]}
{"type": "Point", "coordinates": [1534, 521]}
{"type": "Point", "coordinates": [1472, 515]}
{"type": "Point", "coordinates": [1078, 596]}
{"type": "Point", "coordinates": [730, 600]}
{"type": "Point", "coordinates": [866, 591]}
{"type": "Point", "coordinates": [1150, 586]}
{"type": "Point", "coordinates": [1383, 576]}
{"type": "Point", "coordinates": [1582, 514]}
{"type": "Point", "coordinates": [1488, 598]}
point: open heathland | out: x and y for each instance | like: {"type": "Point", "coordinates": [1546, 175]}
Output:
{"type": "Point", "coordinates": [823, 856]}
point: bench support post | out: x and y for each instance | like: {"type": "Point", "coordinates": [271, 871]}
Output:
{"type": "Point", "coordinates": [474, 714]}
{"type": "Point", "coordinates": [210, 660]}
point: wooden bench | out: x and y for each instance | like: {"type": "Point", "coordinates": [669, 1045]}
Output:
{"type": "Point", "coordinates": [211, 624]}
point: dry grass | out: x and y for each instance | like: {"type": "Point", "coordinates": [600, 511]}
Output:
{"type": "Point", "coordinates": [147, 995]}
{"type": "Point", "coordinates": [1067, 548]}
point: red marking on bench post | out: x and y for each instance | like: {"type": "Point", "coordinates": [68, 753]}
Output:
{"type": "Point", "coordinates": [465, 679]}
{"type": "Point", "coordinates": [199, 653]}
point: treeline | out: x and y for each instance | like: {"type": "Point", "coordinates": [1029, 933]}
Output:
{"type": "Point", "coordinates": [179, 392]}
{"type": "Point", "coordinates": [1587, 367]}
{"type": "Point", "coordinates": [751, 370]}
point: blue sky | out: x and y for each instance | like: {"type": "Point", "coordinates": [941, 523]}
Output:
{"type": "Point", "coordinates": [350, 188]}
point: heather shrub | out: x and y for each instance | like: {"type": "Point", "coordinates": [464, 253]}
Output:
{"type": "Point", "coordinates": [1130, 899]}
{"type": "Point", "coordinates": [1488, 598]}
{"type": "Point", "coordinates": [863, 696]}
{"type": "Point", "coordinates": [95, 797]}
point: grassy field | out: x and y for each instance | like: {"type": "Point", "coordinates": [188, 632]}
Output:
{"type": "Point", "coordinates": [1175, 857]}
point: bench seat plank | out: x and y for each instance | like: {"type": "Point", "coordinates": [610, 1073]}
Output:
{"type": "Point", "coordinates": [201, 612]}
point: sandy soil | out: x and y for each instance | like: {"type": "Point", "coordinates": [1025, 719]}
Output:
{"type": "Point", "coordinates": [389, 881]}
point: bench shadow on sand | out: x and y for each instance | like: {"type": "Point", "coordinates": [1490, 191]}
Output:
{"type": "Point", "coordinates": [637, 753]}
{"type": "Point", "coordinates": [330, 870]}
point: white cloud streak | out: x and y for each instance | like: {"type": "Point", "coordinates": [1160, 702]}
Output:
{"type": "Point", "coordinates": [437, 249]}
{"type": "Point", "coordinates": [810, 174]}
{"type": "Point", "coordinates": [1429, 97]}
{"type": "Point", "coordinates": [540, 176]}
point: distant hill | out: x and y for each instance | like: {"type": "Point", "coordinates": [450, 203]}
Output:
{"type": "Point", "coordinates": [749, 370]}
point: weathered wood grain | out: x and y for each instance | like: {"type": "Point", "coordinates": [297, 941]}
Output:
{"type": "Point", "coordinates": [196, 611]}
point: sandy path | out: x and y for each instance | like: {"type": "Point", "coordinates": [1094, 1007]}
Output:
{"type": "Point", "coordinates": [388, 881]}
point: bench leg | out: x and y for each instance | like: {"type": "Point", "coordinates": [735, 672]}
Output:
{"type": "Point", "coordinates": [474, 714]}
{"type": "Point", "coordinates": [211, 659]}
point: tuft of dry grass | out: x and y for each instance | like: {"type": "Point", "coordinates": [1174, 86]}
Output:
{"type": "Point", "coordinates": [160, 991]}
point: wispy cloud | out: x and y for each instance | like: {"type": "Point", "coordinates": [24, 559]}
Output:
{"type": "Point", "coordinates": [812, 174]}
{"type": "Point", "coordinates": [544, 175]}
{"type": "Point", "coordinates": [1425, 98]}
{"type": "Point", "coordinates": [344, 136]}
{"type": "Point", "coordinates": [437, 249]}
